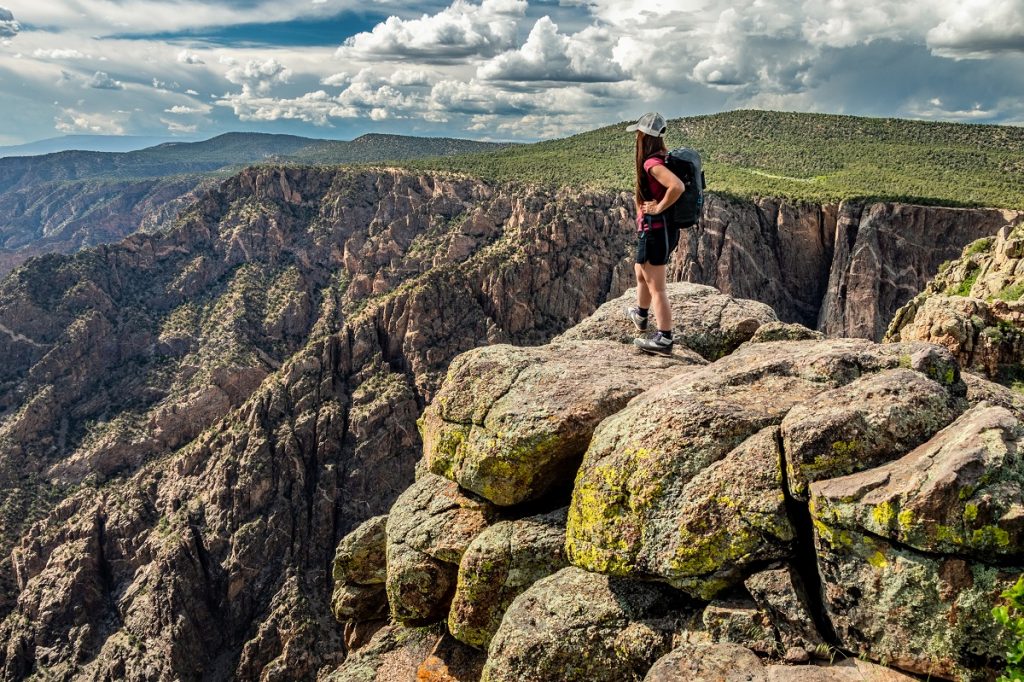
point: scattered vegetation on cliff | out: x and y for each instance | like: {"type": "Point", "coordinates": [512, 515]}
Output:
{"type": "Point", "coordinates": [1011, 617]}
{"type": "Point", "coordinates": [808, 157]}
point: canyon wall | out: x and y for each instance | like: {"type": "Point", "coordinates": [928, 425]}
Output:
{"type": "Point", "coordinates": [190, 420]}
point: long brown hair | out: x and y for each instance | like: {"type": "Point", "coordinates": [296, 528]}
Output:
{"type": "Point", "coordinates": [646, 147]}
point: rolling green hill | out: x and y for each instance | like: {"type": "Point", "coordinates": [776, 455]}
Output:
{"type": "Point", "coordinates": [809, 157]}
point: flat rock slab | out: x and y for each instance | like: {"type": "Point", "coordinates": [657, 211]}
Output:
{"type": "Point", "coordinates": [868, 422]}
{"type": "Point", "coordinates": [429, 527]}
{"type": "Point", "coordinates": [703, 318]}
{"type": "Point", "coordinates": [500, 564]}
{"type": "Point", "coordinates": [629, 507]}
{"type": "Point", "coordinates": [509, 423]}
{"type": "Point", "coordinates": [576, 626]}
{"type": "Point", "coordinates": [960, 493]}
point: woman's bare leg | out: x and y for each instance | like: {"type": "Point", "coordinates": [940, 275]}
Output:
{"type": "Point", "coordinates": [643, 292]}
{"type": "Point", "coordinates": [654, 276]}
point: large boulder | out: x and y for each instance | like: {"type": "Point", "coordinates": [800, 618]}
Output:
{"type": "Point", "coordinates": [631, 506]}
{"type": "Point", "coordinates": [734, 663]}
{"type": "Point", "coordinates": [501, 563]}
{"type": "Point", "coordinates": [863, 424]}
{"type": "Point", "coordinates": [732, 515]}
{"type": "Point", "coordinates": [848, 670]}
{"type": "Point", "coordinates": [509, 423]}
{"type": "Point", "coordinates": [576, 626]}
{"type": "Point", "coordinates": [961, 493]}
{"type": "Point", "coordinates": [429, 527]}
{"type": "Point", "coordinates": [359, 572]}
{"type": "Point", "coordinates": [703, 318]}
{"type": "Point", "coordinates": [927, 614]}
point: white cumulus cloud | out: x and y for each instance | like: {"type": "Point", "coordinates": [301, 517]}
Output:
{"type": "Point", "coordinates": [189, 57]}
{"type": "Point", "coordinates": [72, 121]}
{"type": "Point", "coordinates": [259, 75]}
{"type": "Point", "coordinates": [461, 30]}
{"type": "Point", "coordinates": [101, 81]}
{"type": "Point", "coordinates": [548, 55]}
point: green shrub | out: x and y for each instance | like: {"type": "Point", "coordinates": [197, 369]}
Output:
{"type": "Point", "coordinates": [1011, 617]}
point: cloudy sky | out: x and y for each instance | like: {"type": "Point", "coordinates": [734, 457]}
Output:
{"type": "Point", "coordinates": [492, 69]}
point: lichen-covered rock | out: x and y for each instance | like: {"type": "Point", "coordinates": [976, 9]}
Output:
{"type": "Point", "coordinates": [509, 422]}
{"type": "Point", "coordinates": [360, 557]}
{"type": "Point", "coordinates": [498, 566]}
{"type": "Point", "coordinates": [397, 653]}
{"type": "Point", "coordinates": [847, 670]}
{"type": "Point", "coordinates": [739, 621]}
{"type": "Point", "coordinates": [703, 318]}
{"type": "Point", "coordinates": [780, 594]}
{"type": "Point", "coordinates": [781, 331]}
{"type": "Point", "coordinates": [708, 663]}
{"type": "Point", "coordinates": [863, 424]}
{"type": "Point", "coordinates": [351, 602]}
{"type": "Point", "coordinates": [961, 493]}
{"type": "Point", "coordinates": [732, 515]}
{"type": "Point", "coordinates": [626, 512]}
{"type": "Point", "coordinates": [926, 614]}
{"type": "Point", "coordinates": [576, 626]}
{"type": "Point", "coordinates": [980, 390]}
{"type": "Point", "coordinates": [428, 529]}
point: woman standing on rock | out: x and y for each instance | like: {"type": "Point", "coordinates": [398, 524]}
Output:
{"type": "Point", "coordinates": [656, 189]}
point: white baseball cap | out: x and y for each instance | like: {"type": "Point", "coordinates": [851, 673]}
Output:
{"type": "Point", "coordinates": [651, 123]}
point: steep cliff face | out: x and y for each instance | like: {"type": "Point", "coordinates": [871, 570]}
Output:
{"type": "Point", "coordinates": [192, 419]}
{"type": "Point", "coordinates": [842, 269]}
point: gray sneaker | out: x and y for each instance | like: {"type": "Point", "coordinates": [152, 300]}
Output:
{"type": "Point", "coordinates": [657, 344]}
{"type": "Point", "coordinates": [639, 321]}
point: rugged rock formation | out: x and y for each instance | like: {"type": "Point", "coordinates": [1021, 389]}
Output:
{"type": "Point", "coordinates": [578, 626]}
{"type": "Point", "coordinates": [843, 269]}
{"type": "Point", "coordinates": [684, 504]}
{"type": "Point", "coordinates": [498, 566]}
{"type": "Point", "coordinates": [973, 307]}
{"type": "Point", "coordinates": [191, 420]}
{"type": "Point", "coordinates": [509, 422]}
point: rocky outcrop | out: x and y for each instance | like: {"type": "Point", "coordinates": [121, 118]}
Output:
{"type": "Point", "coordinates": [708, 663]}
{"type": "Point", "coordinates": [703, 319]}
{"type": "Point", "coordinates": [429, 527]}
{"type": "Point", "coordinates": [501, 563]}
{"type": "Point", "coordinates": [646, 465]}
{"type": "Point", "coordinates": [397, 653]}
{"type": "Point", "coordinates": [360, 572]}
{"type": "Point", "coordinates": [864, 424]}
{"type": "Point", "coordinates": [780, 593]}
{"type": "Point", "coordinates": [576, 626]}
{"type": "Point", "coordinates": [973, 306]}
{"type": "Point", "coordinates": [509, 422]}
{"type": "Point", "coordinates": [886, 253]}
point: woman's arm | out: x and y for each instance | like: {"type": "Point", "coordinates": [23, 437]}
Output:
{"type": "Point", "coordinates": [673, 190]}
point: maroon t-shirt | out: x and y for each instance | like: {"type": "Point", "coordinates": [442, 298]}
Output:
{"type": "Point", "coordinates": [656, 190]}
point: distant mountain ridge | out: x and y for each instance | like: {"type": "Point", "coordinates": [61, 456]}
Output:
{"type": "Point", "coordinates": [67, 200]}
{"type": "Point", "coordinates": [85, 143]}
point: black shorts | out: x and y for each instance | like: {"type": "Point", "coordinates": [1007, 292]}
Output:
{"type": "Point", "coordinates": [655, 246]}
